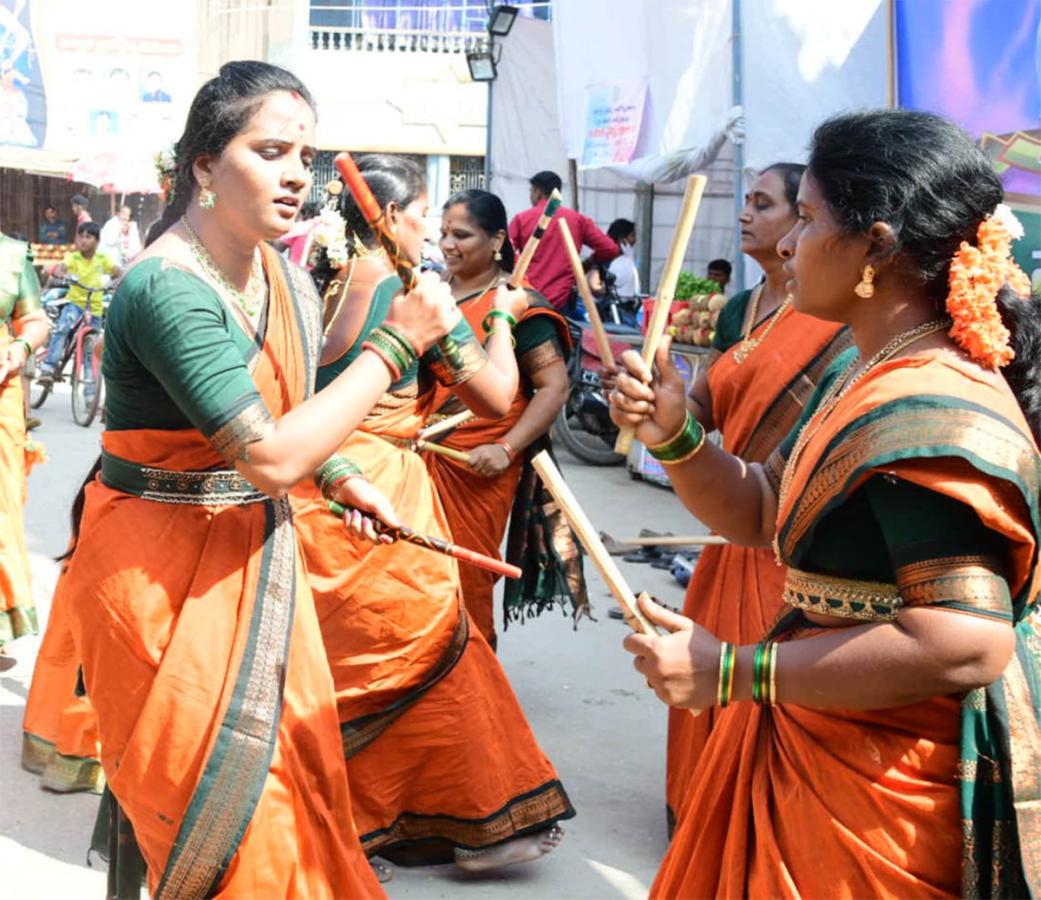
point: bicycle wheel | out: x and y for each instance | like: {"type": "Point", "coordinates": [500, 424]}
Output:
{"type": "Point", "coordinates": [86, 382]}
{"type": "Point", "coordinates": [38, 393]}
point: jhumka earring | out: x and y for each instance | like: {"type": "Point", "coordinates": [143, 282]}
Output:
{"type": "Point", "coordinates": [866, 288]}
{"type": "Point", "coordinates": [497, 256]}
{"type": "Point", "coordinates": [207, 198]}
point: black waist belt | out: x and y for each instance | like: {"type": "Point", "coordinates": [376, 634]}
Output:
{"type": "Point", "coordinates": [209, 487]}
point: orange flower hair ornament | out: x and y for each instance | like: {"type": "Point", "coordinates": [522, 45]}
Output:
{"type": "Point", "coordinates": [977, 274]}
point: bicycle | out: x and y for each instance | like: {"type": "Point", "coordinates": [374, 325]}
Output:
{"type": "Point", "coordinates": [82, 346]}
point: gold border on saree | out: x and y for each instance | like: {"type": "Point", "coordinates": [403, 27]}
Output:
{"type": "Point", "coordinates": [847, 598]}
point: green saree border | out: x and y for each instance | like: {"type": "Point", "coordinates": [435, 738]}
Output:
{"type": "Point", "coordinates": [18, 621]}
{"type": "Point", "coordinates": [307, 307]}
{"type": "Point", "coordinates": [233, 778]}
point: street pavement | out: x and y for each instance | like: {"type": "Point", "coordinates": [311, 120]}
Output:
{"type": "Point", "coordinates": [592, 713]}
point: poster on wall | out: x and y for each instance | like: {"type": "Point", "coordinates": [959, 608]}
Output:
{"type": "Point", "coordinates": [23, 103]}
{"type": "Point", "coordinates": [108, 81]}
{"type": "Point", "coordinates": [614, 114]}
{"type": "Point", "coordinates": [977, 62]}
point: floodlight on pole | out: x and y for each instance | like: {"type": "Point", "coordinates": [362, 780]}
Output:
{"type": "Point", "coordinates": [502, 18]}
{"type": "Point", "coordinates": [481, 63]}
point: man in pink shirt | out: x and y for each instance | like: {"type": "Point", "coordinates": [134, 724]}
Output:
{"type": "Point", "coordinates": [550, 271]}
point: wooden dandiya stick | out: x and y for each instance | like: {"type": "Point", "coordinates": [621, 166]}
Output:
{"type": "Point", "coordinates": [667, 286]}
{"type": "Point", "coordinates": [437, 545]}
{"type": "Point", "coordinates": [444, 425]}
{"type": "Point", "coordinates": [692, 540]}
{"type": "Point", "coordinates": [372, 211]}
{"type": "Point", "coordinates": [594, 547]}
{"type": "Point", "coordinates": [520, 268]}
{"type": "Point", "coordinates": [442, 450]}
{"type": "Point", "coordinates": [602, 343]}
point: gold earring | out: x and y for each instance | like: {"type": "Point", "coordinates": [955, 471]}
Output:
{"type": "Point", "coordinates": [866, 288]}
{"type": "Point", "coordinates": [497, 256]}
{"type": "Point", "coordinates": [207, 198]}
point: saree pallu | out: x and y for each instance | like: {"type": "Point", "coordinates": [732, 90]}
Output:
{"type": "Point", "coordinates": [439, 752]}
{"type": "Point", "coordinates": [735, 592]}
{"type": "Point", "coordinates": [936, 798]}
{"type": "Point", "coordinates": [479, 508]}
{"type": "Point", "coordinates": [60, 728]}
{"type": "Point", "coordinates": [202, 656]}
{"type": "Point", "coordinates": [17, 609]}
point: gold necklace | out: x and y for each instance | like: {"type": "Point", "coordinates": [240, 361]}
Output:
{"type": "Point", "coordinates": [748, 343]}
{"type": "Point", "coordinates": [496, 280]}
{"type": "Point", "coordinates": [250, 300]}
{"type": "Point", "coordinates": [836, 391]}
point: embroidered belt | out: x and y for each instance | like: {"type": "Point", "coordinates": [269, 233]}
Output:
{"type": "Point", "coordinates": [209, 487]}
{"type": "Point", "coordinates": [847, 598]}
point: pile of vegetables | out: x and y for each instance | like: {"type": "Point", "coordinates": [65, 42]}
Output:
{"type": "Point", "coordinates": [696, 322]}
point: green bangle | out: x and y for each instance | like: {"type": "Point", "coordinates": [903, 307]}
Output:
{"type": "Point", "coordinates": [384, 342]}
{"type": "Point", "coordinates": [725, 688]}
{"type": "Point", "coordinates": [683, 445]}
{"type": "Point", "coordinates": [334, 470]}
{"type": "Point", "coordinates": [497, 314]}
{"type": "Point", "coordinates": [400, 339]}
{"type": "Point", "coordinates": [26, 344]}
{"type": "Point", "coordinates": [763, 664]}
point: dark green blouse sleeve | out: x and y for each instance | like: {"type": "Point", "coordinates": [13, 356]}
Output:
{"type": "Point", "coordinates": [28, 291]}
{"type": "Point", "coordinates": [181, 333]}
{"type": "Point", "coordinates": [728, 325]}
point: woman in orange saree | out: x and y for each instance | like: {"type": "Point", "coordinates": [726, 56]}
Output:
{"type": "Point", "coordinates": [443, 765]}
{"type": "Point", "coordinates": [23, 328]}
{"type": "Point", "coordinates": [497, 483]}
{"type": "Point", "coordinates": [885, 735]}
{"type": "Point", "coordinates": [189, 603]}
{"type": "Point", "coordinates": [767, 359]}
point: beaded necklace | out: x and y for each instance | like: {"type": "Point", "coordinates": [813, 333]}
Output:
{"type": "Point", "coordinates": [252, 299]}
{"type": "Point", "coordinates": [836, 391]}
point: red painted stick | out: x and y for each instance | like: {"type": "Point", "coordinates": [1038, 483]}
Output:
{"type": "Point", "coordinates": [463, 554]}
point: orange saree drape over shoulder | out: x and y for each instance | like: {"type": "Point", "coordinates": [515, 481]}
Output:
{"type": "Point", "coordinates": [202, 655]}
{"type": "Point", "coordinates": [439, 752]}
{"type": "Point", "coordinates": [735, 592]}
{"type": "Point", "coordinates": [478, 508]}
{"type": "Point", "coordinates": [914, 801]}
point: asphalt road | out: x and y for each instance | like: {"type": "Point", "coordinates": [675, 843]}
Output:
{"type": "Point", "coordinates": [592, 713]}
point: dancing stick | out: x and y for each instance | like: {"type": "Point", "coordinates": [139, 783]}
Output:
{"type": "Point", "coordinates": [370, 208]}
{"type": "Point", "coordinates": [667, 286]}
{"type": "Point", "coordinates": [524, 260]}
{"type": "Point", "coordinates": [442, 450]}
{"type": "Point", "coordinates": [578, 520]}
{"type": "Point", "coordinates": [403, 533]}
{"type": "Point", "coordinates": [693, 540]}
{"type": "Point", "coordinates": [444, 425]}
{"type": "Point", "coordinates": [590, 540]}
{"type": "Point", "coordinates": [606, 356]}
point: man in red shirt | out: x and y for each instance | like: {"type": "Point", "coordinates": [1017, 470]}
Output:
{"type": "Point", "coordinates": [550, 271]}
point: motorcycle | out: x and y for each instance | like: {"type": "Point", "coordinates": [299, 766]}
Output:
{"type": "Point", "coordinates": [584, 427]}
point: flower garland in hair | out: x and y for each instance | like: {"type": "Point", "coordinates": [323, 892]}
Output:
{"type": "Point", "coordinates": [977, 274]}
{"type": "Point", "coordinates": [331, 233]}
{"type": "Point", "coordinates": [166, 171]}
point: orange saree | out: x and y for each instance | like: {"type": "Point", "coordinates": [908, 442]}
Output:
{"type": "Point", "coordinates": [735, 592]}
{"type": "Point", "coordinates": [479, 508]}
{"type": "Point", "coordinates": [439, 752]}
{"type": "Point", "coordinates": [935, 798]}
{"type": "Point", "coordinates": [60, 729]}
{"type": "Point", "coordinates": [190, 608]}
{"type": "Point", "coordinates": [17, 609]}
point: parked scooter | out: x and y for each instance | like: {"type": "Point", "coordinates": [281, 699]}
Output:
{"type": "Point", "coordinates": [584, 426]}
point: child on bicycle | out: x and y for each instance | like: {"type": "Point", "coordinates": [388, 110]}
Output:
{"type": "Point", "coordinates": [89, 269]}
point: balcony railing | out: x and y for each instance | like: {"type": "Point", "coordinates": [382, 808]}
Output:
{"type": "Point", "coordinates": [406, 26]}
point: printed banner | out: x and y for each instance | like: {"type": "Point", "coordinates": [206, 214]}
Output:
{"type": "Point", "coordinates": [614, 115]}
{"type": "Point", "coordinates": [23, 104]}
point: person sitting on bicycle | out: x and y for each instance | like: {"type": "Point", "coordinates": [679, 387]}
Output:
{"type": "Point", "coordinates": [89, 268]}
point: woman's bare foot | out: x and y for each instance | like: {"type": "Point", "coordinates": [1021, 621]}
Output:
{"type": "Point", "coordinates": [519, 850]}
{"type": "Point", "coordinates": [382, 871]}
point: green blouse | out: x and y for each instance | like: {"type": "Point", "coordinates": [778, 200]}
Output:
{"type": "Point", "coordinates": [731, 319]}
{"type": "Point", "coordinates": [19, 286]}
{"type": "Point", "coordinates": [174, 357]}
{"type": "Point", "coordinates": [888, 524]}
{"type": "Point", "coordinates": [379, 309]}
